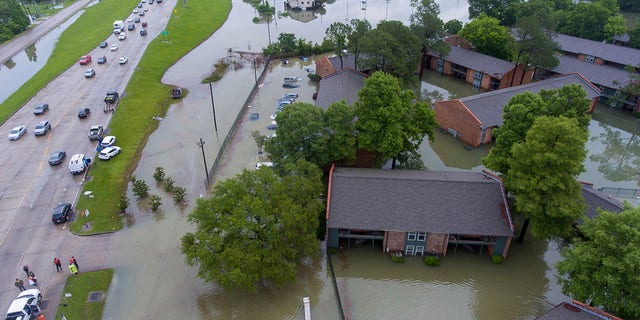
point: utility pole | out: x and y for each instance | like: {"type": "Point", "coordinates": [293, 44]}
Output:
{"type": "Point", "coordinates": [255, 70]}
{"type": "Point", "coordinates": [206, 169]}
{"type": "Point", "coordinates": [215, 122]}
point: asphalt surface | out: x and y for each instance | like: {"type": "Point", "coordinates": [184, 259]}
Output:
{"type": "Point", "coordinates": [30, 188]}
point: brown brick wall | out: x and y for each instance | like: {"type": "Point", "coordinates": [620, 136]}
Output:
{"type": "Point", "coordinates": [437, 243]}
{"type": "Point", "coordinates": [453, 114]}
{"type": "Point", "coordinates": [394, 241]}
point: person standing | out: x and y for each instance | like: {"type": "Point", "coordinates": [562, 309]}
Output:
{"type": "Point", "coordinates": [56, 261]}
{"type": "Point", "coordinates": [41, 317]}
{"type": "Point", "coordinates": [74, 261]}
{"type": "Point", "coordinates": [25, 268]}
{"type": "Point", "coordinates": [73, 269]}
{"type": "Point", "coordinates": [20, 285]}
{"type": "Point", "coordinates": [33, 280]}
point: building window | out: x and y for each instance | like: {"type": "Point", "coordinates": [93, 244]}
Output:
{"type": "Point", "coordinates": [419, 250]}
{"type": "Point", "coordinates": [411, 236]}
{"type": "Point", "coordinates": [422, 236]}
{"type": "Point", "coordinates": [590, 59]}
{"type": "Point", "coordinates": [409, 250]}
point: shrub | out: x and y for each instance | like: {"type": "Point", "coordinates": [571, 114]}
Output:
{"type": "Point", "coordinates": [397, 257]}
{"type": "Point", "coordinates": [433, 261]}
{"type": "Point", "coordinates": [169, 184]}
{"type": "Point", "coordinates": [178, 195]}
{"type": "Point", "coordinates": [314, 77]}
{"type": "Point", "coordinates": [333, 250]}
{"type": "Point", "coordinates": [155, 201]}
{"type": "Point", "coordinates": [496, 259]}
{"type": "Point", "coordinates": [140, 188]}
{"type": "Point", "coordinates": [123, 203]}
{"type": "Point", "coordinates": [158, 175]}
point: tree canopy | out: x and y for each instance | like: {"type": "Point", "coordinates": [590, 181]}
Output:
{"type": "Point", "coordinates": [337, 34]}
{"type": "Point", "coordinates": [598, 20]}
{"type": "Point", "coordinates": [502, 10]}
{"type": "Point", "coordinates": [13, 19]}
{"type": "Point", "coordinates": [389, 122]}
{"type": "Point", "coordinates": [256, 227]}
{"type": "Point", "coordinates": [428, 28]}
{"type": "Point", "coordinates": [602, 267]}
{"type": "Point", "coordinates": [355, 40]}
{"type": "Point", "coordinates": [489, 37]}
{"type": "Point", "coordinates": [543, 172]}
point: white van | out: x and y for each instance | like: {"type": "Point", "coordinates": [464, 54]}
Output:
{"type": "Point", "coordinates": [25, 306]}
{"type": "Point", "coordinates": [79, 164]}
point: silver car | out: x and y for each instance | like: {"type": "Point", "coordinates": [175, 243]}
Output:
{"type": "Point", "coordinates": [42, 128]}
{"type": "Point", "coordinates": [17, 132]}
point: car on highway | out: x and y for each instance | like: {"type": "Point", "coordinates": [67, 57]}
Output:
{"type": "Point", "coordinates": [108, 153]}
{"type": "Point", "coordinates": [140, 5]}
{"type": "Point", "coordinates": [135, 11]}
{"type": "Point", "coordinates": [95, 132]}
{"type": "Point", "coordinates": [141, 13]}
{"type": "Point", "coordinates": [150, 1]}
{"type": "Point", "coordinates": [136, 20]}
{"type": "Point", "coordinates": [104, 44]}
{"type": "Point", "coordinates": [57, 157]}
{"type": "Point", "coordinates": [41, 108]}
{"type": "Point", "coordinates": [111, 97]}
{"type": "Point", "coordinates": [131, 26]}
{"type": "Point", "coordinates": [42, 128]}
{"type": "Point", "coordinates": [108, 141]}
{"type": "Point", "coordinates": [122, 36]}
{"type": "Point", "coordinates": [61, 213]}
{"type": "Point", "coordinates": [89, 73]}
{"type": "Point", "coordinates": [85, 60]}
{"type": "Point", "coordinates": [102, 60]}
{"type": "Point", "coordinates": [17, 132]}
{"type": "Point", "coordinates": [114, 47]}
{"type": "Point", "coordinates": [290, 85]}
{"type": "Point", "coordinates": [83, 113]}
{"type": "Point", "coordinates": [143, 32]}
{"type": "Point", "coordinates": [123, 60]}
{"type": "Point", "coordinates": [144, 24]}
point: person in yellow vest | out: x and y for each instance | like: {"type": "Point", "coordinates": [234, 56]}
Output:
{"type": "Point", "coordinates": [73, 269]}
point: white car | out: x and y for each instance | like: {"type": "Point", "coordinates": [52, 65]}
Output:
{"type": "Point", "coordinates": [122, 36]}
{"type": "Point", "coordinates": [264, 164]}
{"type": "Point", "coordinates": [108, 152]}
{"type": "Point", "coordinates": [114, 47]}
{"type": "Point", "coordinates": [17, 132]}
{"type": "Point", "coordinates": [108, 141]}
{"type": "Point", "coordinates": [135, 11]}
{"type": "Point", "coordinates": [123, 60]}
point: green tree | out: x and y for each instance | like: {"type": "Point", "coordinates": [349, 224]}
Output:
{"type": "Point", "coordinates": [602, 267]}
{"type": "Point", "coordinates": [453, 26]}
{"type": "Point", "coordinates": [429, 29]}
{"type": "Point", "coordinates": [355, 40]}
{"type": "Point", "coordinates": [489, 37]}
{"type": "Point", "coordinates": [337, 34]}
{"type": "Point", "coordinates": [389, 121]}
{"type": "Point", "coordinates": [634, 37]}
{"type": "Point", "coordinates": [307, 132]}
{"type": "Point", "coordinates": [392, 47]}
{"type": "Point", "coordinates": [140, 188]}
{"type": "Point", "coordinates": [503, 10]}
{"type": "Point", "coordinates": [287, 41]}
{"type": "Point", "coordinates": [256, 227]}
{"type": "Point", "coordinates": [588, 19]}
{"type": "Point", "coordinates": [543, 175]}
{"type": "Point", "coordinates": [155, 202]}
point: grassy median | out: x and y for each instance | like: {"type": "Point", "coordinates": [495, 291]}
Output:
{"type": "Point", "coordinates": [76, 306]}
{"type": "Point", "coordinates": [132, 122]}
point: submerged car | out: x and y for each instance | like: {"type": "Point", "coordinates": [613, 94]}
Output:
{"type": "Point", "coordinates": [56, 158]}
{"type": "Point", "coordinates": [123, 60]}
{"type": "Point", "coordinates": [83, 112]}
{"type": "Point", "coordinates": [42, 128]}
{"type": "Point", "coordinates": [290, 85]}
{"type": "Point", "coordinates": [17, 132]}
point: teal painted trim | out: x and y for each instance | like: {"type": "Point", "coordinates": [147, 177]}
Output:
{"type": "Point", "coordinates": [332, 238]}
{"type": "Point", "coordinates": [498, 248]}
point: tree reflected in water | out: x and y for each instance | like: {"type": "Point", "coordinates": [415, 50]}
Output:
{"type": "Point", "coordinates": [620, 160]}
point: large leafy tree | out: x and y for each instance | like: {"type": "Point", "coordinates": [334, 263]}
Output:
{"type": "Point", "coordinates": [13, 19]}
{"type": "Point", "coordinates": [355, 40]}
{"type": "Point", "coordinates": [503, 10]}
{"type": "Point", "coordinates": [489, 37]}
{"type": "Point", "coordinates": [598, 20]}
{"type": "Point", "coordinates": [337, 34]}
{"type": "Point", "coordinates": [393, 48]}
{"type": "Point", "coordinates": [543, 175]}
{"type": "Point", "coordinates": [429, 29]}
{"type": "Point", "coordinates": [634, 37]}
{"type": "Point", "coordinates": [602, 267]}
{"type": "Point", "coordinates": [256, 227]}
{"type": "Point", "coordinates": [307, 132]}
{"type": "Point", "coordinates": [389, 121]}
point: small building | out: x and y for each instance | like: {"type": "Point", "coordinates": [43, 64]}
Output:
{"type": "Point", "coordinates": [417, 212]}
{"type": "Point", "coordinates": [300, 4]}
{"type": "Point", "coordinates": [340, 85]}
{"type": "Point", "coordinates": [326, 65]}
{"type": "Point", "coordinates": [575, 310]}
{"type": "Point", "coordinates": [480, 70]}
{"type": "Point", "coordinates": [472, 119]}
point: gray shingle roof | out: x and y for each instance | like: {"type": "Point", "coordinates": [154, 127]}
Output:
{"type": "Point", "coordinates": [606, 51]}
{"type": "Point", "coordinates": [595, 199]}
{"type": "Point", "coordinates": [477, 61]}
{"type": "Point", "coordinates": [570, 311]}
{"type": "Point", "coordinates": [487, 107]}
{"type": "Point", "coordinates": [596, 73]}
{"type": "Point", "coordinates": [348, 61]}
{"type": "Point", "coordinates": [407, 200]}
{"type": "Point", "coordinates": [340, 85]}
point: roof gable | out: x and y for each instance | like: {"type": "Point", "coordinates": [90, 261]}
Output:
{"type": "Point", "coordinates": [606, 51]}
{"type": "Point", "coordinates": [409, 200]}
{"type": "Point", "coordinates": [477, 61]}
{"type": "Point", "coordinates": [340, 85]}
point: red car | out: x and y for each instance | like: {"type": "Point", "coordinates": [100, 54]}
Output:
{"type": "Point", "coordinates": [85, 59]}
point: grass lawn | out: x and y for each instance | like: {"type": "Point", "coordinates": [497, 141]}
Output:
{"type": "Point", "coordinates": [79, 287]}
{"type": "Point", "coordinates": [46, 8]}
{"type": "Point", "coordinates": [146, 96]}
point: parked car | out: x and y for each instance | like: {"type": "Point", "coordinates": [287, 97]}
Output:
{"type": "Point", "coordinates": [114, 47]}
{"type": "Point", "coordinates": [25, 305]}
{"type": "Point", "coordinates": [144, 24]}
{"type": "Point", "coordinates": [41, 108]}
{"type": "Point", "coordinates": [42, 128]}
{"type": "Point", "coordinates": [83, 113]}
{"type": "Point", "coordinates": [136, 20]}
{"type": "Point", "coordinates": [61, 213]}
{"type": "Point", "coordinates": [141, 13]}
{"type": "Point", "coordinates": [89, 73]}
{"type": "Point", "coordinates": [108, 141]}
{"type": "Point", "coordinates": [56, 158]}
{"type": "Point", "coordinates": [95, 132]}
{"type": "Point", "coordinates": [111, 97]}
{"type": "Point", "coordinates": [79, 163]}
{"type": "Point", "coordinates": [290, 95]}
{"type": "Point", "coordinates": [131, 26]}
{"type": "Point", "coordinates": [290, 85]}
{"type": "Point", "coordinates": [139, 5]}
{"type": "Point", "coordinates": [122, 36]}
{"type": "Point", "coordinates": [102, 60]}
{"type": "Point", "coordinates": [85, 60]}
{"type": "Point", "coordinates": [264, 164]}
{"type": "Point", "coordinates": [104, 44]}
{"type": "Point", "coordinates": [17, 132]}
{"type": "Point", "coordinates": [123, 60]}
{"type": "Point", "coordinates": [108, 153]}
{"type": "Point", "coordinates": [143, 32]}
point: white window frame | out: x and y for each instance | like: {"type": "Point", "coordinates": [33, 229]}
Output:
{"type": "Point", "coordinates": [419, 250]}
{"type": "Point", "coordinates": [422, 236]}
{"type": "Point", "coordinates": [409, 250]}
{"type": "Point", "coordinates": [590, 59]}
{"type": "Point", "coordinates": [411, 236]}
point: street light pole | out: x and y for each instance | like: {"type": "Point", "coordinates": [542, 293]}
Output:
{"type": "Point", "coordinates": [206, 170]}
{"type": "Point", "coordinates": [215, 122]}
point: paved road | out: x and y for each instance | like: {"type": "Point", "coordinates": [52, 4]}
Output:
{"type": "Point", "coordinates": [30, 188]}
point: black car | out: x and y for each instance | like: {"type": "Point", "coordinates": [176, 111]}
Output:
{"type": "Point", "coordinates": [102, 60]}
{"type": "Point", "coordinates": [131, 26]}
{"type": "Point", "coordinates": [83, 112]}
{"type": "Point", "coordinates": [104, 44]}
{"type": "Point", "coordinates": [41, 108]}
{"type": "Point", "coordinates": [61, 213]}
{"type": "Point", "coordinates": [136, 20]}
{"type": "Point", "coordinates": [143, 32]}
{"type": "Point", "coordinates": [56, 158]}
